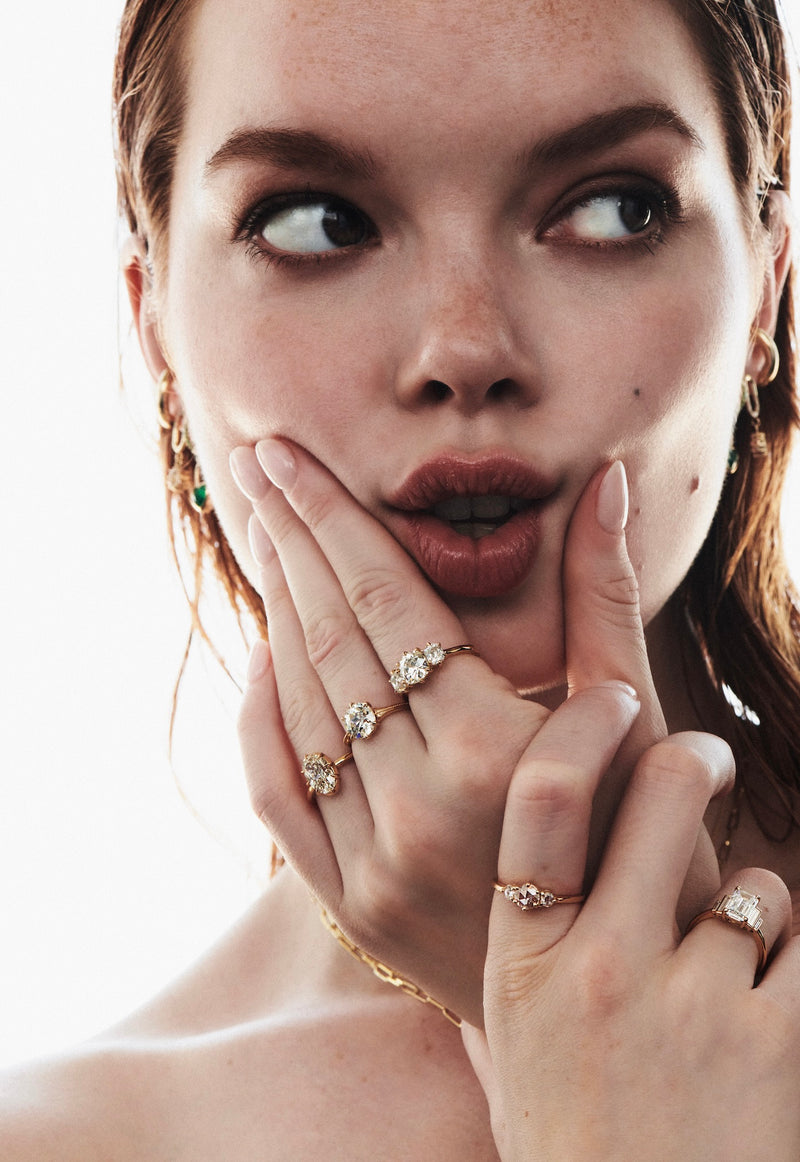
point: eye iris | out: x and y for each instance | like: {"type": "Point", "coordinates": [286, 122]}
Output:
{"type": "Point", "coordinates": [635, 213]}
{"type": "Point", "coordinates": [343, 228]}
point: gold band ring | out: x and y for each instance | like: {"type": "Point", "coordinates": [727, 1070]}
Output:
{"type": "Point", "coordinates": [360, 719]}
{"type": "Point", "coordinates": [741, 910]}
{"type": "Point", "coordinates": [322, 773]}
{"type": "Point", "coordinates": [415, 666]}
{"type": "Point", "coordinates": [528, 896]}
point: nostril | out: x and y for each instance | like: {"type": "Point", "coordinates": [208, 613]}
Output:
{"type": "Point", "coordinates": [437, 391]}
{"type": "Point", "coordinates": [501, 389]}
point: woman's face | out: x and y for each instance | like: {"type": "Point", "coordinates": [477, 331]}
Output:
{"type": "Point", "coordinates": [461, 251]}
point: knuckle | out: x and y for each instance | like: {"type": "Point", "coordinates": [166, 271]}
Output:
{"type": "Point", "coordinates": [326, 635]}
{"type": "Point", "coordinates": [602, 982]}
{"type": "Point", "coordinates": [377, 595]}
{"type": "Point", "coordinates": [303, 718]}
{"type": "Point", "coordinates": [554, 792]}
{"type": "Point", "coordinates": [675, 768]}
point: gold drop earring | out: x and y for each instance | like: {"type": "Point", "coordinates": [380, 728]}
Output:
{"type": "Point", "coordinates": [184, 476]}
{"type": "Point", "coordinates": [759, 448]}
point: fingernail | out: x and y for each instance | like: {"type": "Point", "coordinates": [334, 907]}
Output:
{"type": "Point", "coordinates": [278, 462]}
{"type": "Point", "coordinates": [612, 499]}
{"type": "Point", "coordinates": [247, 473]}
{"type": "Point", "coordinates": [259, 660]}
{"type": "Point", "coordinates": [615, 684]}
{"type": "Point", "coordinates": [261, 546]}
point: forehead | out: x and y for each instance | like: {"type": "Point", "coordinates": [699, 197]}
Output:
{"type": "Point", "coordinates": [412, 71]}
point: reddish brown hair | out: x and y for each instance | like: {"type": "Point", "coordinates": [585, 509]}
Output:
{"type": "Point", "coordinates": [738, 592]}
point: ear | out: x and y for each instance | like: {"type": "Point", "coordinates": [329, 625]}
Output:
{"type": "Point", "coordinates": [139, 283]}
{"type": "Point", "coordinates": [778, 260]}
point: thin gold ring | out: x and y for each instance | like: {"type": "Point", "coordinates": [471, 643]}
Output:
{"type": "Point", "coordinates": [528, 896]}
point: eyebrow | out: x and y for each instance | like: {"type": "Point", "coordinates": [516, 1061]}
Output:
{"type": "Point", "coordinates": [604, 130]}
{"type": "Point", "coordinates": [293, 149]}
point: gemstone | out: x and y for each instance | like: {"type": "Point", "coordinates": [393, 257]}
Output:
{"type": "Point", "coordinates": [200, 495]}
{"type": "Point", "coordinates": [741, 908]}
{"type": "Point", "coordinates": [320, 774]}
{"type": "Point", "coordinates": [434, 654]}
{"type": "Point", "coordinates": [398, 682]}
{"type": "Point", "coordinates": [359, 720]}
{"type": "Point", "coordinates": [414, 667]}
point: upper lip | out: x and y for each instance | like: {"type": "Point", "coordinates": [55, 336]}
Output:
{"type": "Point", "coordinates": [454, 474]}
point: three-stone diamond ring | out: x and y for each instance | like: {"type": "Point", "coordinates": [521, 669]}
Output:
{"type": "Point", "coordinates": [416, 666]}
{"type": "Point", "coordinates": [740, 909]}
{"type": "Point", "coordinates": [528, 896]}
{"type": "Point", "coordinates": [360, 719]}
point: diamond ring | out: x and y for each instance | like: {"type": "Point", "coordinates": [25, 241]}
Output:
{"type": "Point", "coordinates": [360, 719]}
{"type": "Point", "coordinates": [741, 909]}
{"type": "Point", "coordinates": [528, 896]}
{"type": "Point", "coordinates": [416, 665]}
{"type": "Point", "coordinates": [322, 773]}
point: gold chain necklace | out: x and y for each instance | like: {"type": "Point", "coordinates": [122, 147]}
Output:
{"type": "Point", "coordinates": [384, 972]}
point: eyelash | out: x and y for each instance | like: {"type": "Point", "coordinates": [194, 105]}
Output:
{"type": "Point", "coordinates": [255, 218]}
{"type": "Point", "coordinates": [663, 199]}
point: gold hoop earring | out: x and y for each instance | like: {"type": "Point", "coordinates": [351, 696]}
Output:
{"type": "Point", "coordinates": [184, 477]}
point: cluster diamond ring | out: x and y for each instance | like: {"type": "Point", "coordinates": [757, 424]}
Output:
{"type": "Point", "coordinates": [528, 896]}
{"type": "Point", "coordinates": [739, 908]}
{"type": "Point", "coordinates": [361, 719]}
{"type": "Point", "coordinates": [322, 773]}
{"type": "Point", "coordinates": [416, 666]}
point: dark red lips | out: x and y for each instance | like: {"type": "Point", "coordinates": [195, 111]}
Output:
{"type": "Point", "coordinates": [494, 564]}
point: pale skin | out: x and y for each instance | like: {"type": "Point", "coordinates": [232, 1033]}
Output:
{"type": "Point", "coordinates": [492, 309]}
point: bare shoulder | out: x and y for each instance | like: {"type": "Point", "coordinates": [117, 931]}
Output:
{"type": "Point", "coordinates": [78, 1105]}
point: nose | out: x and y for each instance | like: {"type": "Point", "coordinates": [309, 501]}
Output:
{"type": "Point", "coordinates": [467, 345]}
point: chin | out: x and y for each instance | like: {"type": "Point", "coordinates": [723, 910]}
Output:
{"type": "Point", "coordinates": [525, 646]}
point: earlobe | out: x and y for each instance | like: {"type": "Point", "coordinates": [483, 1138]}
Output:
{"type": "Point", "coordinates": [138, 282]}
{"type": "Point", "coordinates": [778, 260]}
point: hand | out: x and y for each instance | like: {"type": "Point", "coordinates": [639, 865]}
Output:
{"type": "Point", "coordinates": [404, 856]}
{"type": "Point", "coordinates": [607, 1037]}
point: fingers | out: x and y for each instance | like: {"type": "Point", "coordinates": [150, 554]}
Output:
{"type": "Point", "coordinates": [549, 804]}
{"type": "Point", "coordinates": [723, 934]}
{"type": "Point", "coordinates": [271, 767]}
{"type": "Point", "coordinates": [655, 835]}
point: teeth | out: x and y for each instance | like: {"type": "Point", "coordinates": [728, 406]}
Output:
{"type": "Point", "coordinates": [465, 508]}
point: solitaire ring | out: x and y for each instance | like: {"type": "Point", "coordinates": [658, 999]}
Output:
{"type": "Point", "coordinates": [740, 909]}
{"type": "Point", "coordinates": [322, 773]}
{"type": "Point", "coordinates": [416, 666]}
{"type": "Point", "coordinates": [528, 896]}
{"type": "Point", "coordinates": [361, 719]}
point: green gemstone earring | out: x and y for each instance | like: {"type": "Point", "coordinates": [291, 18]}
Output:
{"type": "Point", "coordinates": [184, 475]}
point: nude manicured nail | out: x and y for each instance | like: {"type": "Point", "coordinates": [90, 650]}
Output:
{"type": "Point", "coordinates": [247, 472]}
{"type": "Point", "coordinates": [612, 499]}
{"type": "Point", "coordinates": [278, 462]}
{"type": "Point", "coordinates": [623, 687]}
{"type": "Point", "coordinates": [261, 546]}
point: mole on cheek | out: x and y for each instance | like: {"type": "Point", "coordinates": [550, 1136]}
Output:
{"type": "Point", "coordinates": [637, 391]}
{"type": "Point", "coordinates": [695, 484]}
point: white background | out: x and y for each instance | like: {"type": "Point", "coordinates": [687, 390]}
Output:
{"type": "Point", "coordinates": [108, 884]}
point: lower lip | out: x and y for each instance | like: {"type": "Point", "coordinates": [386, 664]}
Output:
{"type": "Point", "coordinates": [488, 567]}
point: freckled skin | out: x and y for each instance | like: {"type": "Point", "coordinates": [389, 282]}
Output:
{"type": "Point", "coordinates": [460, 289]}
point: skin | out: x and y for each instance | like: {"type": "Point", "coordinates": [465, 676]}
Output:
{"type": "Point", "coordinates": [634, 350]}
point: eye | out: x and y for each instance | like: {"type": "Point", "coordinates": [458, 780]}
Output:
{"type": "Point", "coordinates": [307, 225]}
{"type": "Point", "coordinates": [612, 217]}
